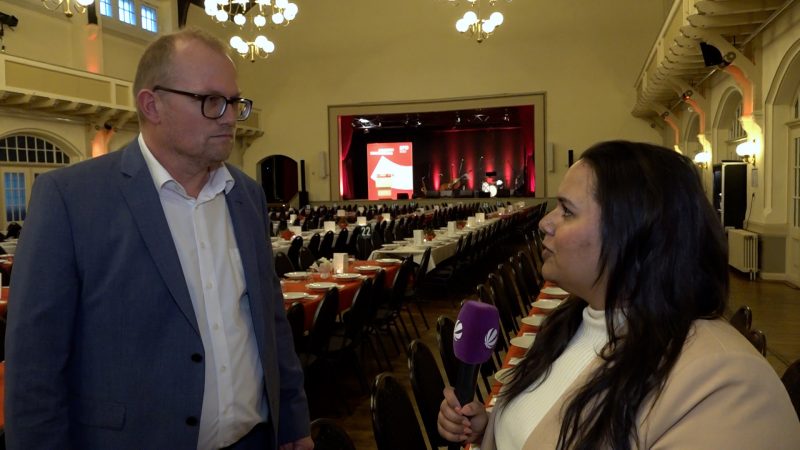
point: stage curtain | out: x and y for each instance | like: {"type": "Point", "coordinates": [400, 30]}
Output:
{"type": "Point", "coordinates": [345, 165]}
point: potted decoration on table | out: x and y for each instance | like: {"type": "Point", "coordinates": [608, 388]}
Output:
{"type": "Point", "coordinates": [287, 234]}
{"type": "Point", "coordinates": [428, 232]}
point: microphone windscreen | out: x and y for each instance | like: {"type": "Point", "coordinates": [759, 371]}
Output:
{"type": "Point", "coordinates": [476, 332]}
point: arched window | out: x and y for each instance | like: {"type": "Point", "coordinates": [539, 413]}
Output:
{"type": "Point", "coordinates": [22, 158]}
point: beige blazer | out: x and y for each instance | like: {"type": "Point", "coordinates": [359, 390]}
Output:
{"type": "Point", "coordinates": [721, 394]}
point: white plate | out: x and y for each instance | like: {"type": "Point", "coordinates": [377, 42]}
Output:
{"type": "Point", "coordinates": [552, 290]}
{"type": "Point", "coordinates": [297, 275]}
{"type": "Point", "coordinates": [294, 295]}
{"type": "Point", "coordinates": [389, 261]}
{"type": "Point", "coordinates": [389, 246]}
{"type": "Point", "coordinates": [346, 276]}
{"type": "Point", "coordinates": [321, 286]}
{"type": "Point", "coordinates": [523, 341]}
{"type": "Point", "coordinates": [546, 303]}
{"type": "Point", "coordinates": [514, 361]}
{"type": "Point", "coordinates": [368, 268]}
{"type": "Point", "coordinates": [534, 320]}
{"type": "Point", "coordinates": [503, 376]}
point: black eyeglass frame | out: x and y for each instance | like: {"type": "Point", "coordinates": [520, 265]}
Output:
{"type": "Point", "coordinates": [248, 104]}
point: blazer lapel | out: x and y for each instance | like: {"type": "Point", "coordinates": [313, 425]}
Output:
{"type": "Point", "coordinates": [142, 199]}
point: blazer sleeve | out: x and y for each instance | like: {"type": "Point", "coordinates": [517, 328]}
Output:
{"type": "Point", "coordinates": [41, 314]}
{"type": "Point", "coordinates": [731, 401]}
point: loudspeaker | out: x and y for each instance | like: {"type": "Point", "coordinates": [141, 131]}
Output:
{"type": "Point", "coordinates": [711, 55]}
{"type": "Point", "coordinates": [503, 193]}
{"type": "Point", "coordinates": [432, 194]}
{"type": "Point", "coordinates": [402, 195]}
{"type": "Point", "coordinates": [302, 196]}
{"type": "Point", "coordinates": [550, 157]}
{"type": "Point", "coordinates": [569, 158]}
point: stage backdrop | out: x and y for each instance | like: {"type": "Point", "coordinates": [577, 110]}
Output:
{"type": "Point", "coordinates": [390, 170]}
{"type": "Point", "coordinates": [439, 157]}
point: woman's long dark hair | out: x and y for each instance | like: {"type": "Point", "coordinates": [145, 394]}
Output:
{"type": "Point", "coordinates": [665, 256]}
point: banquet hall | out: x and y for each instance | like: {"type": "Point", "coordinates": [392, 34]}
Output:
{"type": "Point", "coordinates": [495, 115]}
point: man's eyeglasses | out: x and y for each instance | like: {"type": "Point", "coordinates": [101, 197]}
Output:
{"type": "Point", "coordinates": [213, 106]}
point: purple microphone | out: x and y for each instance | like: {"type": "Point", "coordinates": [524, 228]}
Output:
{"type": "Point", "coordinates": [475, 335]}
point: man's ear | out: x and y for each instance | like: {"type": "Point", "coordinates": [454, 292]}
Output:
{"type": "Point", "coordinates": [149, 106]}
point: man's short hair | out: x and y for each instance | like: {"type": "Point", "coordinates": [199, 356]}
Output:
{"type": "Point", "coordinates": [155, 66]}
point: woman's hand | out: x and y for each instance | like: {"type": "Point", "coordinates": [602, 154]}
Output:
{"type": "Point", "coordinates": [457, 423]}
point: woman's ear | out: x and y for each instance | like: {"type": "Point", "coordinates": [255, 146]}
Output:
{"type": "Point", "coordinates": [149, 105]}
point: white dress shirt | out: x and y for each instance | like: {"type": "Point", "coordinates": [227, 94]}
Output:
{"type": "Point", "coordinates": [234, 398]}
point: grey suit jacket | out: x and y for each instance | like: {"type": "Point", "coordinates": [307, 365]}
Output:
{"type": "Point", "coordinates": [103, 349]}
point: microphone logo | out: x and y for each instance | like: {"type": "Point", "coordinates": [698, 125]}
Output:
{"type": "Point", "coordinates": [490, 340]}
{"type": "Point", "coordinates": [458, 329]}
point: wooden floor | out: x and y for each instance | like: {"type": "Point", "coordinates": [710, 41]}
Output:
{"type": "Point", "coordinates": [776, 311]}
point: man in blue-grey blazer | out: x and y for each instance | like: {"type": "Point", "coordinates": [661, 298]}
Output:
{"type": "Point", "coordinates": [145, 312]}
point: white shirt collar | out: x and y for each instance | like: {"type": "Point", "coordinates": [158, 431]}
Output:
{"type": "Point", "coordinates": [219, 179]}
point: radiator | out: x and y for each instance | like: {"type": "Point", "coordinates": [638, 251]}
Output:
{"type": "Point", "coordinates": [743, 251]}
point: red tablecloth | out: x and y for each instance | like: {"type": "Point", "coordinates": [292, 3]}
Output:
{"type": "Point", "coordinates": [346, 293]}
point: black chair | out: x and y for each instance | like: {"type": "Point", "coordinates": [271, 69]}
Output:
{"type": "Point", "coordinates": [350, 333]}
{"type": "Point", "coordinates": [296, 315]}
{"type": "Point", "coordinates": [341, 242]}
{"type": "Point", "coordinates": [364, 246]}
{"type": "Point", "coordinates": [326, 246]}
{"type": "Point", "coordinates": [532, 277]}
{"type": "Point", "coordinates": [319, 336]}
{"type": "Point", "coordinates": [306, 258]}
{"type": "Point", "coordinates": [759, 340]}
{"type": "Point", "coordinates": [444, 339]}
{"type": "Point", "coordinates": [394, 421]}
{"type": "Point", "coordinates": [313, 245]}
{"type": "Point", "coordinates": [791, 380]}
{"type": "Point", "coordinates": [742, 319]}
{"type": "Point", "coordinates": [427, 383]}
{"type": "Point", "coordinates": [414, 293]}
{"type": "Point", "coordinates": [294, 251]}
{"type": "Point", "coordinates": [389, 311]}
{"type": "Point", "coordinates": [283, 264]}
{"type": "Point", "coordinates": [13, 230]}
{"type": "Point", "coordinates": [327, 435]}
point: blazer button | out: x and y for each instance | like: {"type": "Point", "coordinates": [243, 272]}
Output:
{"type": "Point", "coordinates": [197, 357]}
{"type": "Point", "coordinates": [191, 421]}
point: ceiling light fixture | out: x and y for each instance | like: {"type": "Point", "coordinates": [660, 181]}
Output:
{"type": "Point", "coordinates": [70, 6]}
{"type": "Point", "coordinates": [261, 13]}
{"type": "Point", "coordinates": [473, 25]}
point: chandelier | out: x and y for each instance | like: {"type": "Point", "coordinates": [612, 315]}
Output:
{"type": "Point", "coordinates": [473, 25]}
{"type": "Point", "coordinates": [78, 6]}
{"type": "Point", "coordinates": [261, 12]}
{"type": "Point", "coordinates": [279, 12]}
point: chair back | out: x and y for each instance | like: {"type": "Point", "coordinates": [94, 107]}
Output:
{"type": "Point", "coordinates": [283, 264]}
{"type": "Point", "coordinates": [296, 315]}
{"type": "Point", "coordinates": [533, 280]}
{"type": "Point", "coordinates": [356, 317]}
{"type": "Point", "coordinates": [444, 338]}
{"type": "Point", "coordinates": [326, 247]}
{"type": "Point", "coordinates": [742, 319]}
{"type": "Point", "coordinates": [353, 240]}
{"type": "Point", "coordinates": [364, 246]}
{"type": "Point", "coordinates": [306, 258]}
{"type": "Point", "coordinates": [388, 233]}
{"type": "Point", "coordinates": [422, 270]}
{"type": "Point", "coordinates": [328, 435]}
{"type": "Point", "coordinates": [341, 242]}
{"type": "Point", "coordinates": [427, 383]}
{"type": "Point", "coordinates": [515, 300]}
{"type": "Point", "coordinates": [400, 283]}
{"type": "Point", "coordinates": [294, 251]}
{"type": "Point", "coordinates": [394, 421]}
{"type": "Point", "coordinates": [759, 340]}
{"type": "Point", "coordinates": [324, 323]}
{"type": "Point", "coordinates": [502, 303]}
{"type": "Point", "coordinates": [313, 245]}
{"type": "Point", "coordinates": [791, 380]}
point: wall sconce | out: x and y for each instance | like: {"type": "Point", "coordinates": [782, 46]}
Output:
{"type": "Point", "coordinates": [702, 159]}
{"type": "Point", "coordinates": [747, 151]}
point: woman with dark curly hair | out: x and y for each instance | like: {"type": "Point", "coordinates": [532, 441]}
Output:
{"type": "Point", "coordinates": [639, 356]}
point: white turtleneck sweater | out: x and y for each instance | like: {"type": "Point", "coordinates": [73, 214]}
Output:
{"type": "Point", "coordinates": [521, 415]}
